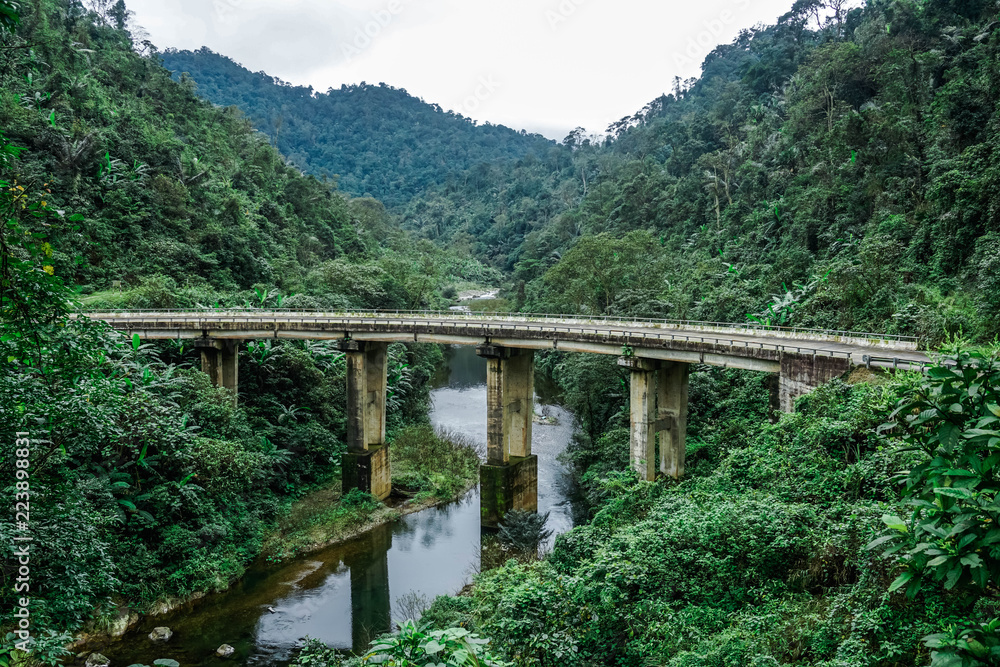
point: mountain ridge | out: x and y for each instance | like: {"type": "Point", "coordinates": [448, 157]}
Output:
{"type": "Point", "coordinates": [378, 140]}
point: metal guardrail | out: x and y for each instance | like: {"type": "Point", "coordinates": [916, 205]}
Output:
{"type": "Point", "coordinates": [897, 363]}
{"type": "Point", "coordinates": [475, 315]}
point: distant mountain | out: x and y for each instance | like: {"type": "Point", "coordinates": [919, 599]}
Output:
{"type": "Point", "coordinates": [380, 140]}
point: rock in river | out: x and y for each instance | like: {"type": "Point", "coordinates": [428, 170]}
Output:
{"type": "Point", "coordinates": [161, 634]}
{"type": "Point", "coordinates": [225, 651]}
{"type": "Point", "coordinates": [97, 660]}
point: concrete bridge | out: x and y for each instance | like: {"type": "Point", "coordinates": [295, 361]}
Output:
{"type": "Point", "coordinates": [658, 354]}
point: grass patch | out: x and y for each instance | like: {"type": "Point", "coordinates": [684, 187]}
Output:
{"type": "Point", "coordinates": [324, 517]}
{"type": "Point", "coordinates": [426, 465]}
{"type": "Point", "coordinates": [433, 464]}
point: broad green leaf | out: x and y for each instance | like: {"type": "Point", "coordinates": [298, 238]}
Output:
{"type": "Point", "coordinates": [948, 435]}
{"type": "Point", "coordinates": [964, 494]}
{"type": "Point", "coordinates": [901, 581]}
{"type": "Point", "coordinates": [881, 540]}
{"type": "Point", "coordinates": [895, 523]}
{"type": "Point", "coordinates": [953, 576]}
{"type": "Point", "coordinates": [136, 341]}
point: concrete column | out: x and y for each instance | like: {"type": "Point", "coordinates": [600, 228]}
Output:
{"type": "Point", "coordinates": [229, 360]}
{"type": "Point", "coordinates": [211, 364]}
{"type": "Point", "coordinates": [642, 419]}
{"type": "Point", "coordinates": [671, 413]}
{"type": "Point", "coordinates": [658, 399]}
{"type": "Point", "coordinates": [220, 360]}
{"type": "Point", "coordinates": [365, 465]}
{"type": "Point", "coordinates": [509, 479]}
{"type": "Point", "coordinates": [801, 373]}
{"type": "Point", "coordinates": [376, 355]}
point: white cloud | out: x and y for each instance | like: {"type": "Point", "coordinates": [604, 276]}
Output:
{"type": "Point", "coordinates": [553, 64]}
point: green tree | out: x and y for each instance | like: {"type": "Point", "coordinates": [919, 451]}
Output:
{"type": "Point", "coordinates": [952, 537]}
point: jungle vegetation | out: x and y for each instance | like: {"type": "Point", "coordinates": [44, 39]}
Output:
{"type": "Point", "coordinates": [375, 140]}
{"type": "Point", "coordinates": [836, 169]}
{"type": "Point", "coordinates": [120, 188]}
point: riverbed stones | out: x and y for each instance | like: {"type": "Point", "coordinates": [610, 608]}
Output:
{"type": "Point", "coordinates": [225, 651]}
{"type": "Point", "coordinates": [97, 660]}
{"type": "Point", "coordinates": [161, 634]}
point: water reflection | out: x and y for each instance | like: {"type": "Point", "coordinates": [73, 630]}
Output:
{"type": "Point", "coordinates": [350, 593]}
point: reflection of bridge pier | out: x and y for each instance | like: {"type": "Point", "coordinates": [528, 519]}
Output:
{"type": "Point", "coordinates": [509, 478]}
{"type": "Point", "coordinates": [371, 605]}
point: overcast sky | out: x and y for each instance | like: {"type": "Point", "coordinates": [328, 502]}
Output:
{"type": "Point", "coordinates": [543, 65]}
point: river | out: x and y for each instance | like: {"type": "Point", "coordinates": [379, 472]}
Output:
{"type": "Point", "coordinates": [347, 594]}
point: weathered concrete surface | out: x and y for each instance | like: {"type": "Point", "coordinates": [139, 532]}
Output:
{"type": "Point", "coordinates": [366, 387]}
{"type": "Point", "coordinates": [642, 415]}
{"type": "Point", "coordinates": [510, 388]}
{"type": "Point", "coordinates": [502, 488]}
{"type": "Point", "coordinates": [736, 347]}
{"type": "Point", "coordinates": [367, 470]}
{"type": "Point", "coordinates": [230, 358]}
{"type": "Point", "coordinates": [509, 478]}
{"type": "Point", "coordinates": [658, 403]}
{"type": "Point", "coordinates": [220, 361]}
{"type": "Point", "coordinates": [365, 465]}
{"type": "Point", "coordinates": [671, 417]}
{"type": "Point", "coordinates": [376, 355]}
{"type": "Point", "coordinates": [800, 374]}
{"type": "Point", "coordinates": [211, 363]}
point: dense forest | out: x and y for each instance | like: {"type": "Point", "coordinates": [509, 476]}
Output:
{"type": "Point", "coordinates": [843, 177]}
{"type": "Point", "coordinates": [376, 140]}
{"type": "Point", "coordinates": [121, 188]}
{"type": "Point", "coordinates": [837, 175]}
{"type": "Point", "coordinates": [836, 169]}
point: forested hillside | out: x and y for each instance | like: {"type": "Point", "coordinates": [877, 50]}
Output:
{"type": "Point", "coordinates": [838, 175]}
{"type": "Point", "coordinates": [849, 171]}
{"type": "Point", "coordinates": [119, 187]}
{"type": "Point", "coordinates": [838, 169]}
{"type": "Point", "coordinates": [378, 140]}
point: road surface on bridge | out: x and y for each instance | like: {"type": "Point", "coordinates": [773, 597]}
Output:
{"type": "Point", "coordinates": [733, 345]}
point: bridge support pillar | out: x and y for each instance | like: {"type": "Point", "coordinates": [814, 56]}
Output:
{"type": "Point", "coordinates": [365, 465]}
{"type": "Point", "coordinates": [801, 373]}
{"type": "Point", "coordinates": [509, 478]}
{"type": "Point", "coordinates": [220, 359]}
{"type": "Point", "coordinates": [658, 394]}
{"type": "Point", "coordinates": [671, 417]}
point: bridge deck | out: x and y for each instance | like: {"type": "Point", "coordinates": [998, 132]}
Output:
{"type": "Point", "coordinates": [752, 347]}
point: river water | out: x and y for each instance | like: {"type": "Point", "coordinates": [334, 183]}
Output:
{"type": "Point", "coordinates": [348, 594]}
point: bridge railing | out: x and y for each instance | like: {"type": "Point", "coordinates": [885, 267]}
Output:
{"type": "Point", "coordinates": [876, 339]}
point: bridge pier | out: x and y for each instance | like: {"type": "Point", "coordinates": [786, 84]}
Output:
{"type": "Point", "coordinates": [509, 478]}
{"type": "Point", "coordinates": [658, 400]}
{"type": "Point", "coordinates": [220, 360]}
{"type": "Point", "coordinates": [365, 464]}
{"type": "Point", "coordinates": [801, 373]}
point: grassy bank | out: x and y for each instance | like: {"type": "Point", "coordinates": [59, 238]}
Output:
{"type": "Point", "coordinates": [428, 468]}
